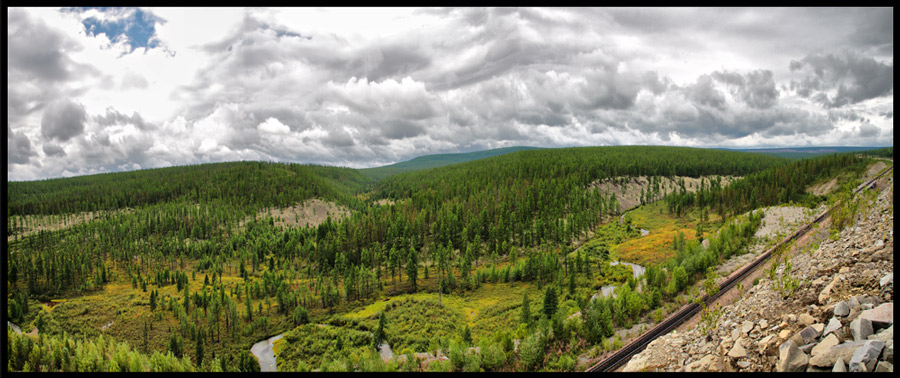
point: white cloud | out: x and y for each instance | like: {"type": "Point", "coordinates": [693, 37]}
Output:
{"type": "Point", "coordinates": [360, 87]}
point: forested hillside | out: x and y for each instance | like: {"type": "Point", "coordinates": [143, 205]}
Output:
{"type": "Point", "coordinates": [438, 160]}
{"type": "Point", "coordinates": [184, 271]}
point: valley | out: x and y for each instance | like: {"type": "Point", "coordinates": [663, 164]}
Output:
{"type": "Point", "coordinates": [497, 264]}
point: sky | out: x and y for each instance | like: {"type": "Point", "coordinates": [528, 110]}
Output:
{"type": "Point", "coordinates": [118, 89]}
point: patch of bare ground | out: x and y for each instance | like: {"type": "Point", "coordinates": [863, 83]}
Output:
{"type": "Point", "coordinates": [823, 189]}
{"type": "Point", "coordinates": [310, 213]}
{"type": "Point", "coordinates": [32, 224]}
{"type": "Point", "coordinates": [384, 202]}
{"type": "Point", "coordinates": [874, 169]}
{"type": "Point", "coordinates": [628, 189]}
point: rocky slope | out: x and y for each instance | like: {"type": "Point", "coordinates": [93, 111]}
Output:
{"type": "Point", "coordinates": [840, 318]}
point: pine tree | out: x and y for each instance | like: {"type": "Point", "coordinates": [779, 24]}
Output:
{"type": "Point", "coordinates": [550, 301]}
{"type": "Point", "coordinates": [379, 335]}
{"type": "Point", "coordinates": [525, 317]}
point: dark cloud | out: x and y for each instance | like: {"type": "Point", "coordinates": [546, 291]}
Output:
{"type": "Point", "coordinates": [51, 149]}
{"type": "Point", "coordinates": [113, 117]}
{"type": "Point", "coordinates": [857, 78]}
{"type": "Point", "coordinates": [704, 92]}
{"type": "Point", "coordinates": [37, 51]}
{"type": "Point", "coordinates": [868, 130]}
{"type": "Point", "coordinates": [756, 88]}
{"type": "Point", "coordinates": [19, 149]}
{"type": "Point", "coordinates": [62, 120]}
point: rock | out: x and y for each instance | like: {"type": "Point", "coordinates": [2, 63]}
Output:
{"type": "Point", "coordinates": [806, 348]}
{"type": "Point", "coordinates": [825, 294]}
{"type": "Point", "coordinates": [790, 358]}
{"type": "Point", "coordinates": [784, 334]}
{"type": "Point", "coordinates": [826, 344]}
{"type": "Point", "coordinates": [746, 327]}
{"type": "Point", "coordinates": [866, 306]}
{"type": "Point", "coordinates": [886, 280]}
{"type": "Point", "coordinates": [707, 363]}
{"type": "Point", "coordinates": [743, 364]}
{"type": "Point", "coordinates": [842, 309]}
{"type": "Point", "coordinates": [833, 325]}
{"type": "Point", "coordinates": [866, 355]}
{"type": "Point", "coordinates": [805, 336]}
{"type": "Point", "coordinates": [819, 327]}
{"type": "Point", "coordinates": [879, 243]}
{"type": "Point", "coordinates": [841, 351]}
{"type": "Point", "coordinates": [844, 269]}
{"type": "Point", "coordinates": [839, 366]}
{"type": "Point", "coordinates": [861, 328]}
{"type": "Point", "coordinates": [763, 324]}
{"type": "Point", "coordinates": [884, 367]}
{"type": "Point", "coordinates": [806, 319]}
{"type": "Point", "coordinates": [888, 353]}
{"type": "Point", "coordinates": [881, 316]}
{"type": "Point", "coordinates": [737, 351]}
{"type": "Point", "coordinates": [736, 333]}
{"type": "Point", "coordinates": [883, 336]}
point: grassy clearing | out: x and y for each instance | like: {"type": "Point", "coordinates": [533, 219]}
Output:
{"type": "Point", "coordinates": [657, 246]}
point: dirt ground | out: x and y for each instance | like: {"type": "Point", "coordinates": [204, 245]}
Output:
{"type": "Point", "coordinates": [38, 223]}
{"type": "Point", "coordinates": [309, 213]}
{"type": "Point", "coordinates": [629, 194]}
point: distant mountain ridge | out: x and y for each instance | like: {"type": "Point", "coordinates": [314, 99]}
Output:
{"type": "Point", "coordinates": [802, 152]}
{"type": "Point", "coordinates": [438, 160]}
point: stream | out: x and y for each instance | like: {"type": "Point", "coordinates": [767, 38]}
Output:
{"type": "Point", "coordinates": [264, 353]}
{"type": "Point", "coordinates": [608, 290]}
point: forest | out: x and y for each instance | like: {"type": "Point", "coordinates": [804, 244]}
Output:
{"type": "Point", "coordinates": [175, 269]}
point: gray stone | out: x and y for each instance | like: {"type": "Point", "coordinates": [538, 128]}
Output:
{"type": "Point", "coordinates": [861, 328]}
{"type": "Point", "coordinates": [839, 366]}
{"type": "Point", "coordinates": [879, 243]}
{"type": "Point", "coordinates": [841, 351]}
{"type": "Point", "coordinates": [886, 280]}
{"type": "Point", "coordinates": [826, 344]}
{"type": "Point", "coordinates": [833, 325]}
{"type": "Point", "coordinates": [736, 333]}
{"type": "Point", "coordinates": [790, 358]}
{"type": "Point", "coordinates": [808, 347]}
{"type": "Point", "coordinates": [866, 355]}
{"type": "Point", "coordinates": [805, 336]}
{"type": "Point", "coordinates": [743, 364]}
{"type": "Point", "coordinates": [881, 316]}
{"type": "Point", "coordinates": [883, 336]}
{"type": "Point", "coordinates": [842, 309]}
{"type": "Point", "coordinates": [884, 367]}
{"type": "Point", "coordinates": [867, 306]}
{"type": "Point", "coordinates": [825, 294]}
{"type": "Point", "coordinates": [763, 324]}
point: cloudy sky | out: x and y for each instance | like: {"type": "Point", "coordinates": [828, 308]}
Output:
{"type": "Point", "coordinates": [120, 89]}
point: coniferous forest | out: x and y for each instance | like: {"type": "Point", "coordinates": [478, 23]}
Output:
{"type": "Point", "coordinates": [185, 268]}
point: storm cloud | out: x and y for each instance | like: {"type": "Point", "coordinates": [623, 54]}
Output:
{"type": "Point", "coordinates": [359, 88]}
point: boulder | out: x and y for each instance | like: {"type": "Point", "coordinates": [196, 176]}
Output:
{"type": "Point", "coordinates": [866, 355]}
{"type": "Point", "coordinates": [826, 344]}
{"type": "Point", "coordinates": [886, 280]}
{"type": "Point", "coordinates": [737, 351]}
{"type": "Point", "coordinates": [884, 367]}
{"type": "Point", "coordinates": [839, 366]}
{"type": "Point", "coordinates": [790, 358]}
{"type": "Point", "coordinates": [833, 325]}
{"type": "Point", "coordinates": [861, 328]}
{"type": "Point", "coordinates": [841, 351]}
{"type": "Point", "coordinates": [842, 309]}
{"type": "Point", "coordinates": [806, 319]}
{"type": "Point", "coordinates": [881, 316]}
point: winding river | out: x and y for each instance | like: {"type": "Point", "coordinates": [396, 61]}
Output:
{"type": "Point", "coordinates": [264, 353]}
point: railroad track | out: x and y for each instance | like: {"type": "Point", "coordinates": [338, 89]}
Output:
{"type": "Point", "coordinates": [624, 354]}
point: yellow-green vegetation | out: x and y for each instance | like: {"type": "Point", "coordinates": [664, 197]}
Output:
{"type": "Point", "coordinates": [313, 345]}
{"type": "Point", "coordinates": [664, 226]}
